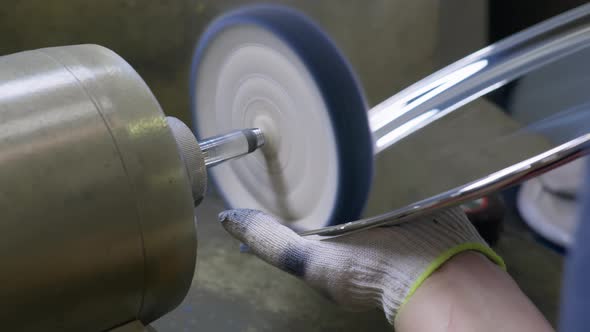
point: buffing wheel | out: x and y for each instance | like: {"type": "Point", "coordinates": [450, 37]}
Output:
{"type": "Point", "coordinates": [272, 68]}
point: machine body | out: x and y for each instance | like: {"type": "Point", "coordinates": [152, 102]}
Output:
{"type": "Point", "coordinates": [98, 225]}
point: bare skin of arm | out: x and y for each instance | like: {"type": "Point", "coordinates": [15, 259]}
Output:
{"type": "Point", "coordinates": [470, 293]}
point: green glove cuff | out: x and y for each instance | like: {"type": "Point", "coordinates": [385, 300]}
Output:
{"type": "Point", "coordinates": [445, 256]}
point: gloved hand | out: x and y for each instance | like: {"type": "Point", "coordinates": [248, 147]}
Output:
{"type": "Point", "coordinates": [380, 267]}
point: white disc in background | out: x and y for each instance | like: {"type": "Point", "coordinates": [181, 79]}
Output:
{"type": "Point", "coordinates": [247, 75]}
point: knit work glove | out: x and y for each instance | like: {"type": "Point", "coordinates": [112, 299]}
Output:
{"type": "Point", "coordinates": [381, 267]}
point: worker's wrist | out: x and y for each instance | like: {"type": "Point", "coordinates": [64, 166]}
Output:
{"type": "Point", "coordinates": [435, 241]}
{"type": "Point", "coordinates": [449, 256]}
{"type": "Point", "coordinates": [445, 288]}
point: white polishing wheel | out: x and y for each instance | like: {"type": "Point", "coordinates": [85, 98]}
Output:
{"type": "Point", "coordinates": [269, 67]}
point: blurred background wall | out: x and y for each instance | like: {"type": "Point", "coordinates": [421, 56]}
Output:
{"type": "Point", "coordinates": [390, 43]}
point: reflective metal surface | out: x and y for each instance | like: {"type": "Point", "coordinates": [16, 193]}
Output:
{"type": "Point", "coordinates": [548, 48]}
{"type": "Point", "coordinates": [494, 182]}
{"type": "Point", "coordinates": [97, 213]}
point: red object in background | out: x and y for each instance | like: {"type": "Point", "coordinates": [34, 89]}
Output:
{"type": "Point", "coordinates": [486, 214]}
